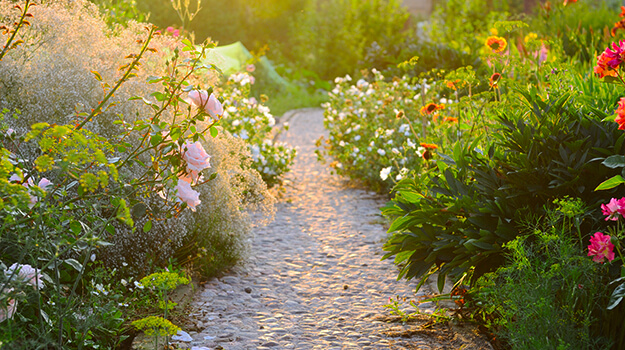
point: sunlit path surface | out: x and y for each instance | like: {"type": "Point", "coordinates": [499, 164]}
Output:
{"type": "Point", "coordinates": [315, 279]}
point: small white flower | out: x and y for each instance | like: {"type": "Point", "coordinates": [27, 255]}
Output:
{"type": "Point", "coordinates": [139, 285]}
{"type": "Point", "coordinates": [381, 152]}
{"type": "Point", "coordinates": [384, 173]}
{"type": "Point", "coordinates": [395, 151]}
{"type": "Point", "coordinates": [357, 138]}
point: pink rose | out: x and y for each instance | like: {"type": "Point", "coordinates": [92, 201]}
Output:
{"type": "Point", "coordinates": [600, 247]}
{"type": "Point", "coordinates": [210, 104]}
{"type": "Point", "coordinates": [197, 159]}
{"type": "Point", "coordinates": [25, 273]}
{"type": "Point", "coordinates": [187, 195]}
{"type": "Point", "coordinates": [612, 209]}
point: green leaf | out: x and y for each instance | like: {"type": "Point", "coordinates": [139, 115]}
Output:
{"type": "Point", "coordinates": [139, 210]}
{"type": "Point", "coordinates": [75, 227]}
{"type": "Point", "coordinates": [74, 263]}
{"type": "Point", "coordinates": [147, 227]}
{"type": "Point", "coordinates": [214, 131]}
{"type": "Point", "coordinates": [156, 139]}
{"type": "Point", "coordinates": [610, 183]}
{"type": "Point", "coordinates": [98, 77]}
{"type": "Point", "coordinates": [617, 296]}
{"type": "Point", "coordinates": [615, 161]}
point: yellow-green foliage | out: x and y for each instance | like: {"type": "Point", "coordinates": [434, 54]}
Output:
{"type": "Point", "coordinates": [155, 325]}
{"type": "Point", "coordinates": [164, 280]}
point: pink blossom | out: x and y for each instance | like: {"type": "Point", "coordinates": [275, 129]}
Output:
{"type": "Point", "coordinates": [612, 209]}
{"type": "Point", "coordinates": [250, 68]}
{"type": "Point", "coordinates": [210, 104]}
{"type": "Point", "coordinates": [44, 184]}
{"type": "Point", "coordinates": [26, 274]}
{"type": "Point", "coordinates": [187, 195]}
{"type": "Point", "coordinates": [7, 311]}
{"type": "Point", "coordinates": [600, 247]}
{"type": "Point", "coordinates": [197, 159]}
{"type": "Point", "coordinates": [616, 55]}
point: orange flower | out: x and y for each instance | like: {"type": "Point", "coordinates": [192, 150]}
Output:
{"type": "Point", "coordinates": [431, 108]}
{"type": "Point", "coordinates": [450, 119]}
{"type": "Point", "coordinates": [618, 25]}
{"type": "Point", "coordinates": [452, 84]}
{"type": "Point", "coordinates": [620, 118]}
{"type": "Point", "coordinates": [566, 2]}
{"type": "Point", "coordinates": [494, 80]}
{"type": "Point", "coordinates": [427, 154]}
{"type": "Point", "coordinates": [496, 43]}
{"type": "Point", "coordinates": [428, 145]}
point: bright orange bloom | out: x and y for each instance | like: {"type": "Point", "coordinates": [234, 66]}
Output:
{"type": "Point", "coordinates": [496, 43]}
{"type": "Point", "coordinates": [427, 155]}
{"type": "Point", "coordinates": [620, 118]}
{"type": "Point", "coordinates": [494, 79]}
{"type": "Point", "coordinates": [431, 108]}
{"type": "Point", "coordinates": [566, 2]}
{"type": "Point", "coordinates": [450, 119]}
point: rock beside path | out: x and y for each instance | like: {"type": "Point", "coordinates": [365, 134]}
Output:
{"type": "Point", "coordinates": [314, 279]}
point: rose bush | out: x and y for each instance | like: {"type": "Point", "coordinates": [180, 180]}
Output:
{"type": "Point", "coordinates": [119, 158]}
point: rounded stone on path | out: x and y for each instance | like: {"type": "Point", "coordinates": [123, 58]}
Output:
{"type": "Point", "coordinates": [248, 290]}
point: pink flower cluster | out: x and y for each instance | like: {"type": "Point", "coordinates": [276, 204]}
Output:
{"type": "Point", "coordinates": [209, 104]}
{"type": "Point", "coordinates": [613, 209]}
{"type": "Point", "coordinates": [197, 160]}
{"type": "Point", "coordinates": [174, 32]}
{"type": "Point", "coordinates": [601, 247]}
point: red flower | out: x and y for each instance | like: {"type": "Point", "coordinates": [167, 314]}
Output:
{"type": "Point", "coordinates": [566, 2]}
{"type": "Point", "coordinates": [600, 247]}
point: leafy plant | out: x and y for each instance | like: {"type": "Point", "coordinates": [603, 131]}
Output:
{"type": "Point", "coordinates": [455, 221]}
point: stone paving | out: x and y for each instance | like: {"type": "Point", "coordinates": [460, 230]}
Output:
{"type": "Point", "coordinates": [314, 279]}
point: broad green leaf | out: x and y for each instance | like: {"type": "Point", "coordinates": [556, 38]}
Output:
{"type": "Point", "coordinates": [610, 183]}
{"type": "Point", "coordinates": [615, 161]}
{"type": "Point", "coordinates": [147, 227]}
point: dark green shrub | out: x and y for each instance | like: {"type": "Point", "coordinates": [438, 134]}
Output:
{"type": "Point", "coordinates": [457, 220]}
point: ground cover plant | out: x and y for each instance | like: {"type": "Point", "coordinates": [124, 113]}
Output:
{"type": "Point", "coordinates": [112, 168]}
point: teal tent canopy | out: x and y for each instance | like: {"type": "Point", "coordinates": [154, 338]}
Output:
{"type": "Point", "coordinates": [234, 57]}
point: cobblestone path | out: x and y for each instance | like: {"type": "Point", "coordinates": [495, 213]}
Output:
{"type": "Point", "coordinates": [314, 279]}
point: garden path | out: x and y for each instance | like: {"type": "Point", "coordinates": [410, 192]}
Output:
{"type": "Point", "coordinates": [314, 279]}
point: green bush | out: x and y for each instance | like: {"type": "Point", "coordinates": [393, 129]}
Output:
{"type": "Point", "coordinates": [548, 293]}
{"type": "Point", "coordinates": [457, 219]}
